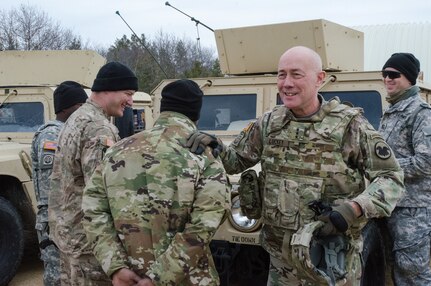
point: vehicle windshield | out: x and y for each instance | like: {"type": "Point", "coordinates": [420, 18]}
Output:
{"type": "Point", "coordinates": [21, 117]}
{"type": "Point", "coordinates": [227, 112]}
{"type": "Point", "coordinates": [369, 100]}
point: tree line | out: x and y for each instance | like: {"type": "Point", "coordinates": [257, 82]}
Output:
{"type": "Point", "coordinates": [165, 56]}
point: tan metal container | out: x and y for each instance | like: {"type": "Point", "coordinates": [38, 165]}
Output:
{"type": "Point", "coordinates": [257, 49]}
{"type": "Point", "coordinates": [39, 68]}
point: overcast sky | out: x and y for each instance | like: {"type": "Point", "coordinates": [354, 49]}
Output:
{"type": "Point", "coordinates": [96, 22]}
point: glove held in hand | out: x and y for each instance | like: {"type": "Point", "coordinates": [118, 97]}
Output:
{"type": "Point", "coordinates": [339, 219]}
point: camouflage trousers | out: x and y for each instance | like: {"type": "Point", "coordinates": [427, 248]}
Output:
{"type": "Point", "coordinates": [282, 274]}
{"type": "Point", "coordinates": [50, 256]}
{"type": "Point", "coordinates": [82, 271]}
{"type": "Point", "coordinates": [410, 230]}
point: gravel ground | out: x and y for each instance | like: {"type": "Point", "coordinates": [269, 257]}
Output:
{"type": "Point", "coordinates": [30, 272]}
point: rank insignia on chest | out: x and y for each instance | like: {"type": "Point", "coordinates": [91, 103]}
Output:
{"type": "Point", "coordinates": [50, 145]}
{"type": "Point", "coordinates": [382, 150]}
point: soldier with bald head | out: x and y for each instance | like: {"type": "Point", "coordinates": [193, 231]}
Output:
{"type": "Point", "coordinates": [312, 152]}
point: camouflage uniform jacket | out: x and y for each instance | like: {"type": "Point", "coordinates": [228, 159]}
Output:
{"type": "Point", "coordinates": [153, 206]}
{"type": "Point", "coordinates": [43, 149]}
{"type": "Point", "coordinates": [323, 157]}
{"type": "Point", "coordinates": [82, 142]}
{"type": "Point", "coordinates": [406, 126]}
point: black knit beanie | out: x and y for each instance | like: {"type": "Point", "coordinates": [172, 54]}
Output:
{"type": "Point", "coordinates": [67, 94]}
{"type": "Point", "coordinates": [115, 76]}
{"type": "Point", "coordinates": [405, 63]}
{"type": "Point", "coordinates": [183, 96]}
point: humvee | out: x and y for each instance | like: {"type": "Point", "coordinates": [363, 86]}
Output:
{"type": "Point", "coordinates": [27, 82]}
{"type": "Point", "coordinates": [249, 57]}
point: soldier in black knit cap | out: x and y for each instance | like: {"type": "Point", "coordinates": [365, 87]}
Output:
{"type": "Point", "coordinates": [182, 96]}
{"type": "Point", "coordinates": [82, 143]}
{"type": "Point", "coordinates": [406, 127]}
{"type": "Point", "coordinates": [68, 97]}
{"type": "Point", "coordinates": [161, 203]}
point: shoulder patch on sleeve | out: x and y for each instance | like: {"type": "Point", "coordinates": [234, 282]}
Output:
{"type": "Point", "coordinates": [382, 150]}
{"type": "Point", "coordinates": [50, 145]}
{"type": "Point", "coordinates": [47, 159]}
{"type": "Point", "coordinates": [247, 128]}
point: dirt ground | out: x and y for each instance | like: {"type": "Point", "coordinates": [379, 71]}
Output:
{"type": "Point", "coordinates": [30, 272]}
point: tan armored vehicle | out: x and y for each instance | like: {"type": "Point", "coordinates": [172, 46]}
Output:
{"type": "Point", "coordinates": [27, 82]}
{"type": "Point", "coordinates": [249, 58]}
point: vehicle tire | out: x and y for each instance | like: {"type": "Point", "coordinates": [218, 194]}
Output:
{"type": "Point", "coordinates": [11, 241]}
{"type": "Point", "coordinates": [373, 256]}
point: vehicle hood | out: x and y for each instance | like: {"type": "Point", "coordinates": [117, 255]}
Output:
{"type": "Point", "coordinates": [10, 161]}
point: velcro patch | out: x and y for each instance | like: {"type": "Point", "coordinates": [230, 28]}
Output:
{"type": "Point", "coordinates": [50, 145]}
{"type": "Point", "coordinates": [382, 150]}
{"type": "Point", "coordinates": [47, 159]}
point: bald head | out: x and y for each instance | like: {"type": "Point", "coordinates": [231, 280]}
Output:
{"type": "Point", "coordinates": [309, 57]}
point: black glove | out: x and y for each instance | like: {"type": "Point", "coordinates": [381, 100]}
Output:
{"type": "Point", "coordinates": [337, 219]}
{"type": "Point", "coordinates": [198, 141]}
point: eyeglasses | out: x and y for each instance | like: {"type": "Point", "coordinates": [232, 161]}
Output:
{"type": "Point", "coordinates": [391, 74]}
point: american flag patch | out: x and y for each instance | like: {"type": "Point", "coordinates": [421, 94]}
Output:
{"type": "Point", "coordinates": [50, 145]}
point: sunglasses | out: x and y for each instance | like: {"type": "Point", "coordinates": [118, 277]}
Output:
{"type": "Point", "coordinates": [391, 74]}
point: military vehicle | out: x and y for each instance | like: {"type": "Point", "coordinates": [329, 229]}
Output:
{"type": "Point", "coordinates": [27, 82]}
{"type": "Point", "coordinates": [249, 57]}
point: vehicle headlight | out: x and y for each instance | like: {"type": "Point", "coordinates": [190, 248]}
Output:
{"type": "Point", "coordinates": [239, 221]}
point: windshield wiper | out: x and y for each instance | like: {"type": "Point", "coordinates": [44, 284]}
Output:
{"type": "Point", "coordinates": [14, 92]}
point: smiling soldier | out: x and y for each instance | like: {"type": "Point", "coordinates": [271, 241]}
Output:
{"type": "Point", "coordinates": [81, 147]}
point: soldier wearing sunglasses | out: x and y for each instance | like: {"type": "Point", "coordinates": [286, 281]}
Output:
{"type": "Point", "coordinates": [406, 127]}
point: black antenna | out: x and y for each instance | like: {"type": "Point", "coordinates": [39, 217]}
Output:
{"type": "Point", "coordinates": [142, 43]}
{"type": "Point", "coordinates": [191, 18]}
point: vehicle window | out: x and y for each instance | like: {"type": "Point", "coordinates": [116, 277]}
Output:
{"type": "Point", "coordinates": [369, 100]}
{"type": "Point", "coordinates": [138, 120]}
{"type": "Point", "coordinates": [227, 111]}
{"type": "Point", "coordinates": [21, 117]}
{"type": "Point", "coordinates": [132, 121]}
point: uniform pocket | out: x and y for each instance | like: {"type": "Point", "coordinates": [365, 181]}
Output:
{"type": "Point", "coordinates": [179, 213]}
{"type": "Point", "coordinates": [287, 198]}
{"type": "Point", "coordinates": [288, 202]}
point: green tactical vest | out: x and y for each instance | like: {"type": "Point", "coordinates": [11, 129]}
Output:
{"type": "Point", "coordinates": [302, 162]}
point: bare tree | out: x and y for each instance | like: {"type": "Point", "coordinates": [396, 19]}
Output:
{"type": "Point", "coordinates": [177, 57]}
{"type": "Point", "coordinates": [28, 28]}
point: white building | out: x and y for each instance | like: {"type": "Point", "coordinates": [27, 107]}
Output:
{"type": "Point", "coordinates": [381, 41]}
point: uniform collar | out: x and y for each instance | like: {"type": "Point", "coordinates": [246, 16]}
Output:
{"type": "Point", "coordinates": [175, 118]}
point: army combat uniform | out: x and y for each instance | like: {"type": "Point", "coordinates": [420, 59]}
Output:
{"type": "Point", "coordinates": [43, 148]}
{"type": "Point", "coordinates": [324, 157]}
{"type": "Point", "coordinates": [406, 126]}
{"type": "Point", "coordinates": [152, 206]}
{"type": "Point", "coordinates": [81, 145]}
